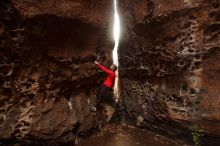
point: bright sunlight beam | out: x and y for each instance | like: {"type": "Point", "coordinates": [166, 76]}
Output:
{"type": "Point", "coordinates": [116, 33]}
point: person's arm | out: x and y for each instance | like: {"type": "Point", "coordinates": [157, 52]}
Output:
{"type": "Point", "coordinates": [103, 68]}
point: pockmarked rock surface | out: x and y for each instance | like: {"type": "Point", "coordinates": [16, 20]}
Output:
{"type": "Point", "coordinates": [47, 71]}
{"type": "Point", "coordinates": [169, 64]}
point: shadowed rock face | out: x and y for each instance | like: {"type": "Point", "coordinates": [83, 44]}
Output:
{"type": "Point", "coordinates": [169, 64]}
{"type": "Point", "coordinates": [47, 70]}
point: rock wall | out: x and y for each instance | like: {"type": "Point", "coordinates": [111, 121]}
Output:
{"type": "Point", "coordinates": [169, 64]}
{"type": "Point", "coordinates": [47, 71]}
{"type": "Point", "coordinates": [168, 57]}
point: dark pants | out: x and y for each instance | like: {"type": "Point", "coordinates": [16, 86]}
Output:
{"type": "Point", "coordinates": [104, 92]}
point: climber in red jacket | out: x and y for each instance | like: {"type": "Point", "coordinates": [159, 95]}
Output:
{"type": "Point", "coordinates": [107, 85]}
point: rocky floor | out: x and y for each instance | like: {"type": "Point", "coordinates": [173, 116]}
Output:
{"type": "Point", "coordinates": [119, 135]}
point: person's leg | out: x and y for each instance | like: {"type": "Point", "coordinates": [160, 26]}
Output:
{"type": "Point", "coordinates": [94, 108]}
{"type": "Point", "coordinates": [103, 91]}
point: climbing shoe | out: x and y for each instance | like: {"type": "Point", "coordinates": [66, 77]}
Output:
{"type": "Point", "coordinates": [92, 108]}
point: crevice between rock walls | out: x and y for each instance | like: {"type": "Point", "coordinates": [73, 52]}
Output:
{"type": "Point", "coordinates": [168, 56]}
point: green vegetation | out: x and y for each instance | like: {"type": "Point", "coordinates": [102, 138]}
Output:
{"type": "Point", "coordinates": [197, 133]}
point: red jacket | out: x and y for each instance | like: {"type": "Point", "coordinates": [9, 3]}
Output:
{"type": "Point", "coordinates": [110, 80]}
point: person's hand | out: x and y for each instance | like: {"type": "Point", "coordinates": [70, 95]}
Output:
{"type": "Point", "coordinates": [96, 62]}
